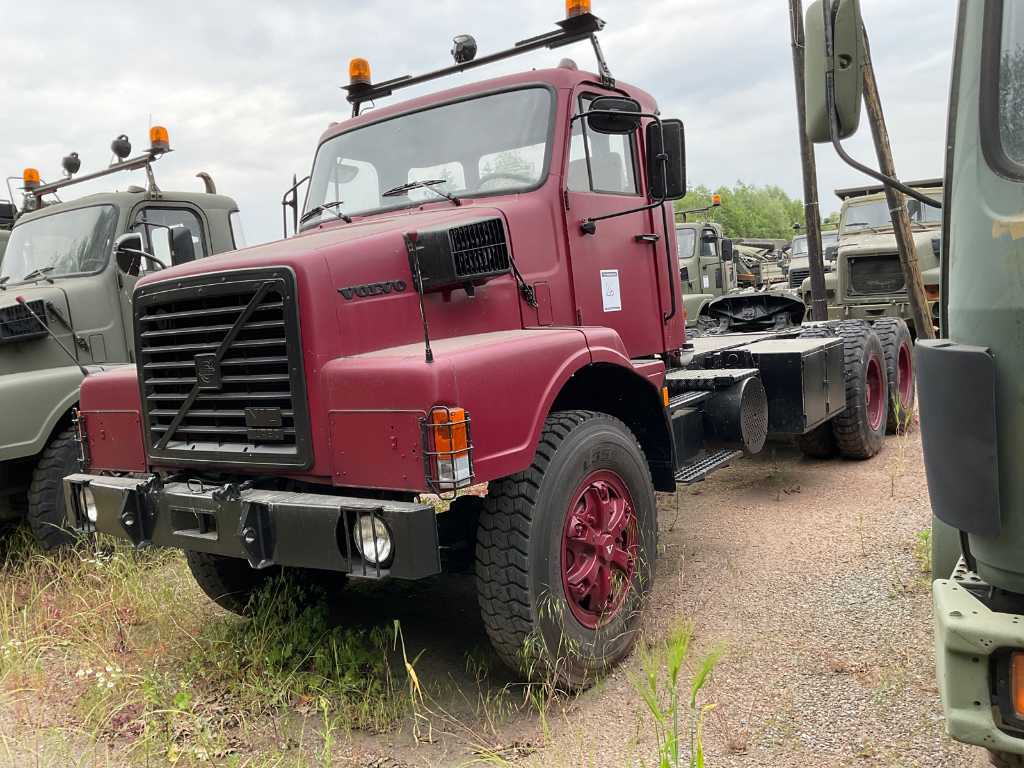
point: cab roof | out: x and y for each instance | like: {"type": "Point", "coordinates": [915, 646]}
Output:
{"type": "Point", "coordinates": [878, 189]}
{"type": "Point", "coordinates": [559, 78]}
{"type": "Point", "coordinates": [132, 196]}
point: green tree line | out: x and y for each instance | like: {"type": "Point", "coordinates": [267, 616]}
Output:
{"type": "Point", "coordinates": [748, 211]}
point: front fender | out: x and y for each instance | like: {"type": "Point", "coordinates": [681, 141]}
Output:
{"type": "Point", "coordinates": [35, 401]}
{"type": "Point", "coordinates": [507, 381]}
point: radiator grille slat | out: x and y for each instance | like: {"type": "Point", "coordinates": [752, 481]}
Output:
{"type": "Point", "coordinates": [479, 248]}
{"type": "Point", "coordinates": [225, 350]}
{"type": "Point", "coordinates": [797, 277]}
{"type": "Point", "coordinates": [876, 275]}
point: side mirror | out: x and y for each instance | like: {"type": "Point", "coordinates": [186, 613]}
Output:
{"type": "Point", "coordinates": [614, 115]}
{"type": "Point", "coordinates": [128, 253]}
{"type": "Point", "coordinates": [728, 252]}
{"type": "Point", "coordinates": [183, 249]}
{"type": "Point", "coordinates": [847, 28]}
{"type": "Point", "coordinates": [832, 253]}
{"type": "Point", "coordinates": [666, 181]}
{"type": "Point", "coordinates": [684, 274]}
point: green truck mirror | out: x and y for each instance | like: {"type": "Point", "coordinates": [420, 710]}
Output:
{"type": "Point", "coordinates": [848, 57]}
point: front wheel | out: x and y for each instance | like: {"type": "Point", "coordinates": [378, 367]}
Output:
{"type": "Point", "coordinates": [566, 549]}
{"type": "Point", "coordinates": [46, 510]}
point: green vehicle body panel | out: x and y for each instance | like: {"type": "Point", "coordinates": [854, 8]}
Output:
{"type": "Point", "coordinates": [844, 303]}
{"type": "Point", "coordinates": [4, 237]}
{"type": "Point", "coordinates": [702, 282]}
{"type": "Point", "coordinates": [985, 308]}
{"type": "Point", "coordinates": [37, 375]}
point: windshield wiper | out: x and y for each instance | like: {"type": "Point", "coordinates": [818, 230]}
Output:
{"type": "Point", "coordinates": [333, 208]}
{"type": "Point", "coordinates": [35, 274]}
{"type": "Point", "coordinates": [425, 184]}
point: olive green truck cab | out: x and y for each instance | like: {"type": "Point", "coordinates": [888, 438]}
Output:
{"type": "Point", "coordinates": [707, 265]}
{"type": "Point", "coordinates": [864, 276]}
{"type": "Point", "coordinates": [970, 387]}
{"type": "Point", "coordinates": [65, 310]}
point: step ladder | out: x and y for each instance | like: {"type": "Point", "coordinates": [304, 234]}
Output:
{"type": "Point", "coordinates": [698, 471]}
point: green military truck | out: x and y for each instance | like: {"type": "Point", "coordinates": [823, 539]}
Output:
{"type": "Point", "coordinates": [970, 385]}
{"type": "Point", "coordinates": [798, 265]}
{"type": "Point", "coordinates": [866, 281]}
{"type": "Point", "coordinates": [707, 266]}
{"type": "Point", "coordinates": [65, 310]}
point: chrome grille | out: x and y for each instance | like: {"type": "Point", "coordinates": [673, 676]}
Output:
{"type": "Point", "coordinates": [876, 275]}
{"type": "Point", "coordinates": [220, 369]}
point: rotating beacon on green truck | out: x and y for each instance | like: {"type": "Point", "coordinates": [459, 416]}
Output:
{"type": "Point", "coordinates": [65, 309]}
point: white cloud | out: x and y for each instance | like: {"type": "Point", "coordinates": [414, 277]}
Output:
{"type": "Point", "coordinates": [246, 88]}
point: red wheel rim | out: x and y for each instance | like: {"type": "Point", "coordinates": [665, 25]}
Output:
{"type": "Point", "coordinates": [599, 548]}
{"type": "Point", "coordinates": [876, 388]}
{"type": "Point", "coordinates": [905, 375]}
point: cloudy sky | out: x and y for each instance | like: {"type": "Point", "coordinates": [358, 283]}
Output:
{"type": "Point", "coordinates": [246, 87]}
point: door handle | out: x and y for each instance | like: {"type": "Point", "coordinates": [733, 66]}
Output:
{"type": "Point", "coordinates": [647, 238]}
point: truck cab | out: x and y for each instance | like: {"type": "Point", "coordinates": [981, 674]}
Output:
{"type": "Point", "coordinates": [866, 280]}
{"type": "Point", "coordinates": [799, 262]}
{"type": "Point", "coordinates": [484, 289]}
{"type": "Point", "coordinates": [707, 266]}
{"type": "Point", "coordinates": [65, 310]}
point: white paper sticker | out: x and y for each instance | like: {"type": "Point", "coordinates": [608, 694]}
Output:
{"type": "Point", "coordinates": [611, 296]}
{"type": "Point", "coordinates": [707, 281]}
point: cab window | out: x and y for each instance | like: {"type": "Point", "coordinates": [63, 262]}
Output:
{"type": "Point", "coordinates": [151, 220]}
{"type": "Point", "coordinates": [600, 163]}
{"type": "Point", "coordinates": [1011, 83]}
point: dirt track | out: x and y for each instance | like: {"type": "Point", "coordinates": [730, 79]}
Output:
{"type": "Point", "coordinates": [806, 572]}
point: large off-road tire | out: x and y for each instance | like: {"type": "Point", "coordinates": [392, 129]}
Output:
{"type": "Point", "coordinates": [1005, 760]}
{"type": "Point", "coordinates": [229, 581]}
{"type": "Point", "coordinates": [565, 552]}
{"type": "Point", "coordinates": [45, 511]}
{"type": "Point", "coordinates": [898, 347]}
{"type": "Point", "coordinates": [946, 549]}
{"type": "Point", "coordinates": [820, 442]}
{"type": "Point", "coordinates": [860, 429]}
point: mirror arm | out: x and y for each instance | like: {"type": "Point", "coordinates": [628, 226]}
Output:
{"type": "Point", "coordinates": [833, 117]}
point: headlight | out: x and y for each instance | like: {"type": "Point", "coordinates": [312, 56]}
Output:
{"type": "Point", "coordinates": [89, 504]}
{"type": "Point", "coordinates": [373, 540]}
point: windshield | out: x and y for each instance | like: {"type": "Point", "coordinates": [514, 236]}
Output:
{"type": "Point", "coordinates": [800, 243]}
{"type": "Point", "coordinates": [686, 238]}
{"type": "Point", "coordinates": [875, 214]}
{"type": "Point", "coordinates": [71, 242]}
{"type": "Point", "coordinates": [488, 145]}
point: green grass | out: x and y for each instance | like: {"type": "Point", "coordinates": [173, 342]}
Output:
{"type": "Point", "coordinates": [119, 652]}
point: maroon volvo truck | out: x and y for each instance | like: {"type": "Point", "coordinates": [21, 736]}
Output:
{"type": "Point", "coordinates": [483, 289]}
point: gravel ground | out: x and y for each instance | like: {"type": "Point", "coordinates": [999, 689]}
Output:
{"type": "Point", "coordinates": [805, 570]}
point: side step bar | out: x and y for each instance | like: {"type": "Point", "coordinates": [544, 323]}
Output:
{"type": "Point", "coordinates": [698, 471]}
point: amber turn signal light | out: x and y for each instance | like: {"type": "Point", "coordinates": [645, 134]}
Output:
{"type": "Point", "coordinates": [575, 8]}
{"type": "Point", "coordinates": [932, 292]}
{"type": "Point", "coordinates": [359, 72]}
{"type": "Point", "coordinates": [1017, 683]}
{"type": "Point", "coordinates": [31, 178]}
{"type": "Point", "coordinates": [159, 139]}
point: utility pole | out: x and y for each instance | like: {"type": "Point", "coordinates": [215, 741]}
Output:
{"type": "Point", "coordinates": [897, 203]}
{"type": "Point", "coordinates": [812, 213]}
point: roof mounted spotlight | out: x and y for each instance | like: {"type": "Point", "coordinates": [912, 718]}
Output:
{"type": "Point", "coordinates": [121, 147]}
{"type": "Point", "coordinates": [71, 164]}
{"type": "Point", "coordinates": [464, 50]}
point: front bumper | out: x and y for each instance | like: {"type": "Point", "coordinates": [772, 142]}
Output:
{"type": "Point", "coordinates": [267, 528]}
{"type": "Point", "coordinates": [967, 635]}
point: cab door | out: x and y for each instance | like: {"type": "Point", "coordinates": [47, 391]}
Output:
{"type": "Point", "coordinates": [147, 219]}
{"type": "Point", "coordinates": [615, 270]}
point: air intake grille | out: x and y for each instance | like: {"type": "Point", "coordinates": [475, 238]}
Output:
{"type": "Point", "coordinates": [797, 277]}
{"type": "Point", "coordinates": [18, 324]}
{"type": "Point", "coordinates": [220, 369]}
{"type": "Point", "coordinates": [876, 275]}
{"type": "Point", "coordinates": [479, 248]}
